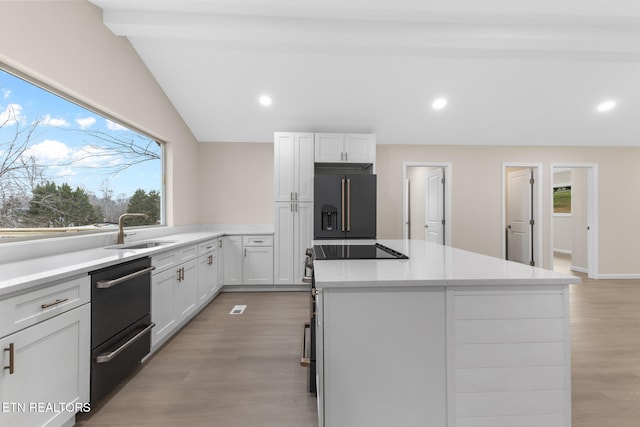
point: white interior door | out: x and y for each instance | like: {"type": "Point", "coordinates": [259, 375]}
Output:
{"type": "Point", "coordinates": [519, 216]}
{"type": "Point", "coordinates": [434, 208]}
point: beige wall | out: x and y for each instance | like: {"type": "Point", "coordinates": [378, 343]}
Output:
{"type": "Point", "coordinates": [242, 176]}
{"type": "Point", "coordinates": [64, 45]}
{"type": "Point", "coordinates": [236, 183]}
{"type": "Point", "coordinates": [477, 195]}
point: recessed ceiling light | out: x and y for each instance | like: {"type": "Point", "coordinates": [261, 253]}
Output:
{"type": "Point", "coordinates": [439, 103]}
{"type": "Point", "coordinates": [265, 100]}
{"type": "Point", "coordinates": [606, 106]}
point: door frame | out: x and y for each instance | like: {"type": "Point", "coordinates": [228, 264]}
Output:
{"type": "Point", "coordinates": [537, 234]}
{"type": "Point", "coordinates": [447, 170]}
{"type": "Point", "coordinates": [592, 214]}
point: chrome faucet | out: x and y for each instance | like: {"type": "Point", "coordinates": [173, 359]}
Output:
{"type": "Point", "coordinates": [121, 224]}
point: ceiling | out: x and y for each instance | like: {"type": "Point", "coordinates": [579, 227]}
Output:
{"type": "Point", "coordinates": [514, 72]}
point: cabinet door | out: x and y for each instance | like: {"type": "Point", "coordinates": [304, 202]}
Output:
{"type": "Point", "coordinates": [258, 265]}
{"type": "Point", "coordinates": [51, 365]}
{"type": "Point", "coordinates": [283, 171]}
{"type": "Point", "coordinates": [186, 293]}
{"type": "Point", "coordinates": [283, 244]}
{"type": "Point", "coordinates": [232, 260]}
{"type": "Point", "coordinates": [303, 166]}
{"type": "Point", "coordinates": [207, 276]}
{"type": "Point", "coordinates": [303, 239]}
{"type": "Point", "coordinates": [360, 148]}
{"type": "Point", "coordinates": [220, 262]}
{"type": "Point", "coordinates": [162, 304]}
{"type": "Point", "coordinates": [329, 147]}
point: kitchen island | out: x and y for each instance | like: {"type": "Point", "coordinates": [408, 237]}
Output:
{"type": "Point", "coordinates": [444, 338]}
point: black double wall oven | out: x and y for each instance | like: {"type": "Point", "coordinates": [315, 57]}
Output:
{"type": "Point", "coordinates": [120, 323]}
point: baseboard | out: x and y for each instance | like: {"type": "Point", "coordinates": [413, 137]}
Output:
{"type": "Point", "coordinates": [619, 276]}
{"type": "Point", "coordinates": [579, 269]}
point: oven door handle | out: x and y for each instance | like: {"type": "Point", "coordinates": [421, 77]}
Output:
{"type": "Point", "coordinates": [107, 357]}
{"type": "Point", "coordinates": [104, 284]}
{"type": "Point", "coordinates": [304, 361]}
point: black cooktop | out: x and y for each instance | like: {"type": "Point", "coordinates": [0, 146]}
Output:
{"type": "Point", "coordinates": [375, 251]}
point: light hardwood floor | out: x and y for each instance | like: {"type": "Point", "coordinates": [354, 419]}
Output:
{"type": "Point", "coordinates": [224, 370]}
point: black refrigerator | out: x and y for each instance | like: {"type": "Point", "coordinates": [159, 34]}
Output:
{"type": "Point", "coordinates": [344, 206]}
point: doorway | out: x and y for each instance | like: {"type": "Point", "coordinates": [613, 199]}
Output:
{"type": "Point", "coordinates": [574, 219]}
{"type": "Point", "coordinates": [427, 202]}
{"type": "Point", "coordinates": [521, 212]}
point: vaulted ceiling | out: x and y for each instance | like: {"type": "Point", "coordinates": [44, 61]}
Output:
{"type": "Point", "coordinates": [515, 72]}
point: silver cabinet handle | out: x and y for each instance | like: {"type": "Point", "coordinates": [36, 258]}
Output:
{"type": "Point", "coordinates": [104, 284]}
{"type": "Point", "coordinates": [56, 302]}
{"type": "Point", "coordinates": [107, 357]}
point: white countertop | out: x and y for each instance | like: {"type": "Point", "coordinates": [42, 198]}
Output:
{"type": "Point", "coordinates": [430, 264]}
{"type": "Point", "coordinates": [20, 276]}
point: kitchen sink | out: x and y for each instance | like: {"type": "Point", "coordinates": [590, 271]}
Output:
{"type": "Point", "coordinates": [141, 245]}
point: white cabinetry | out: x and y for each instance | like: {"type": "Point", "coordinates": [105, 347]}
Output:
{"type": "Point", "coordinates": [174, 291]}
{"type": "Point", "coordinates": [293, 235]}
{"type": "Point", "coordinates": [257, 265]}
{"type": "Point", "coordinates": [345, 148]}
{"type": "Point", "coordinates": [207, 270]}
{"type": "Point", "coordinates": [294, 214]}
{"type": "Point", "coordinates": [248, 260]}
{"type": "Point", "coordinates": [47, 362]}
{"type": "Point", "coordinates": [293, 167]}
{"type": "Point", "coordinates": [232, 260]}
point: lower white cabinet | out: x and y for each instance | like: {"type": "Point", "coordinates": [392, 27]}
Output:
{"type": "Point", "coordinates": [258, 265]}
{"type": "Point", "coordinates": [207, 271]}
{"type": "Point", "coordinates": [248, 260]}
{"type": "Point", "coordinates": [174, 291]}
{"type": "Point", "coordinates": [232, 260]}
{"type": "Point", "coordinates": [51, 365]}
{"type": "Point", "coordinates": [186, 290]}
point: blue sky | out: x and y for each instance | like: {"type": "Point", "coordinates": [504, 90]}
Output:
{"type": "Point", "coordinates": [64, 141]}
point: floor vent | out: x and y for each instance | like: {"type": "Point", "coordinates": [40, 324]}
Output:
{"type": "Point", "coordinates": [238, 309]}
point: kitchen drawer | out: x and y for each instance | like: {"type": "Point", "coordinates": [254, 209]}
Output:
{"type": "Point", "coordinates": [21, 311]}
{"type": "Point", "coordinates": [185, 253]}
{"type": "Point", "coordinates": [168, 259]}
{"type": "Point", "coordinates": [257, 241]}
{"type": "Point", "coordinates": [208, 246]}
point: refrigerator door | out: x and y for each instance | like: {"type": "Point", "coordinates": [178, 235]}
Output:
{"type": "Point", "coordinates": [361, 207]}
{"type": "Point", "coordinates": [329, 192]}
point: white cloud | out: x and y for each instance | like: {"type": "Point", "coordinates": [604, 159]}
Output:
{"type": "Point", "coordinates": [50, 121]}
{"type": "Point", "coordinates": [6, 93]}
{"type": "Point", "coordinates": [49, 150]}
{"type": "Point", "coordinates": [86, 122]}
{"type": "Point", "coordinates": [114, 126]}
{"type": "Point", "coordinates": [11, 115]}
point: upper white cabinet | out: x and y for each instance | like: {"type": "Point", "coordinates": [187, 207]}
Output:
{"type": "Point", "coordinates": [345, 148]}
{"type": "Point", "coordinates": [293, 167]}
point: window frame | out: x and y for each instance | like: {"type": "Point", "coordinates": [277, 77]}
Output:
{"type": "Point", "coordinates": [70, 232]}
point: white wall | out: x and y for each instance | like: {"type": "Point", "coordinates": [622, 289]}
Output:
{"type": "Point", "coordinates": [65, 45]}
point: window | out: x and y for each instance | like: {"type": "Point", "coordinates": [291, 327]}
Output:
{"type": "Point", "coordinates": [65, 169]}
